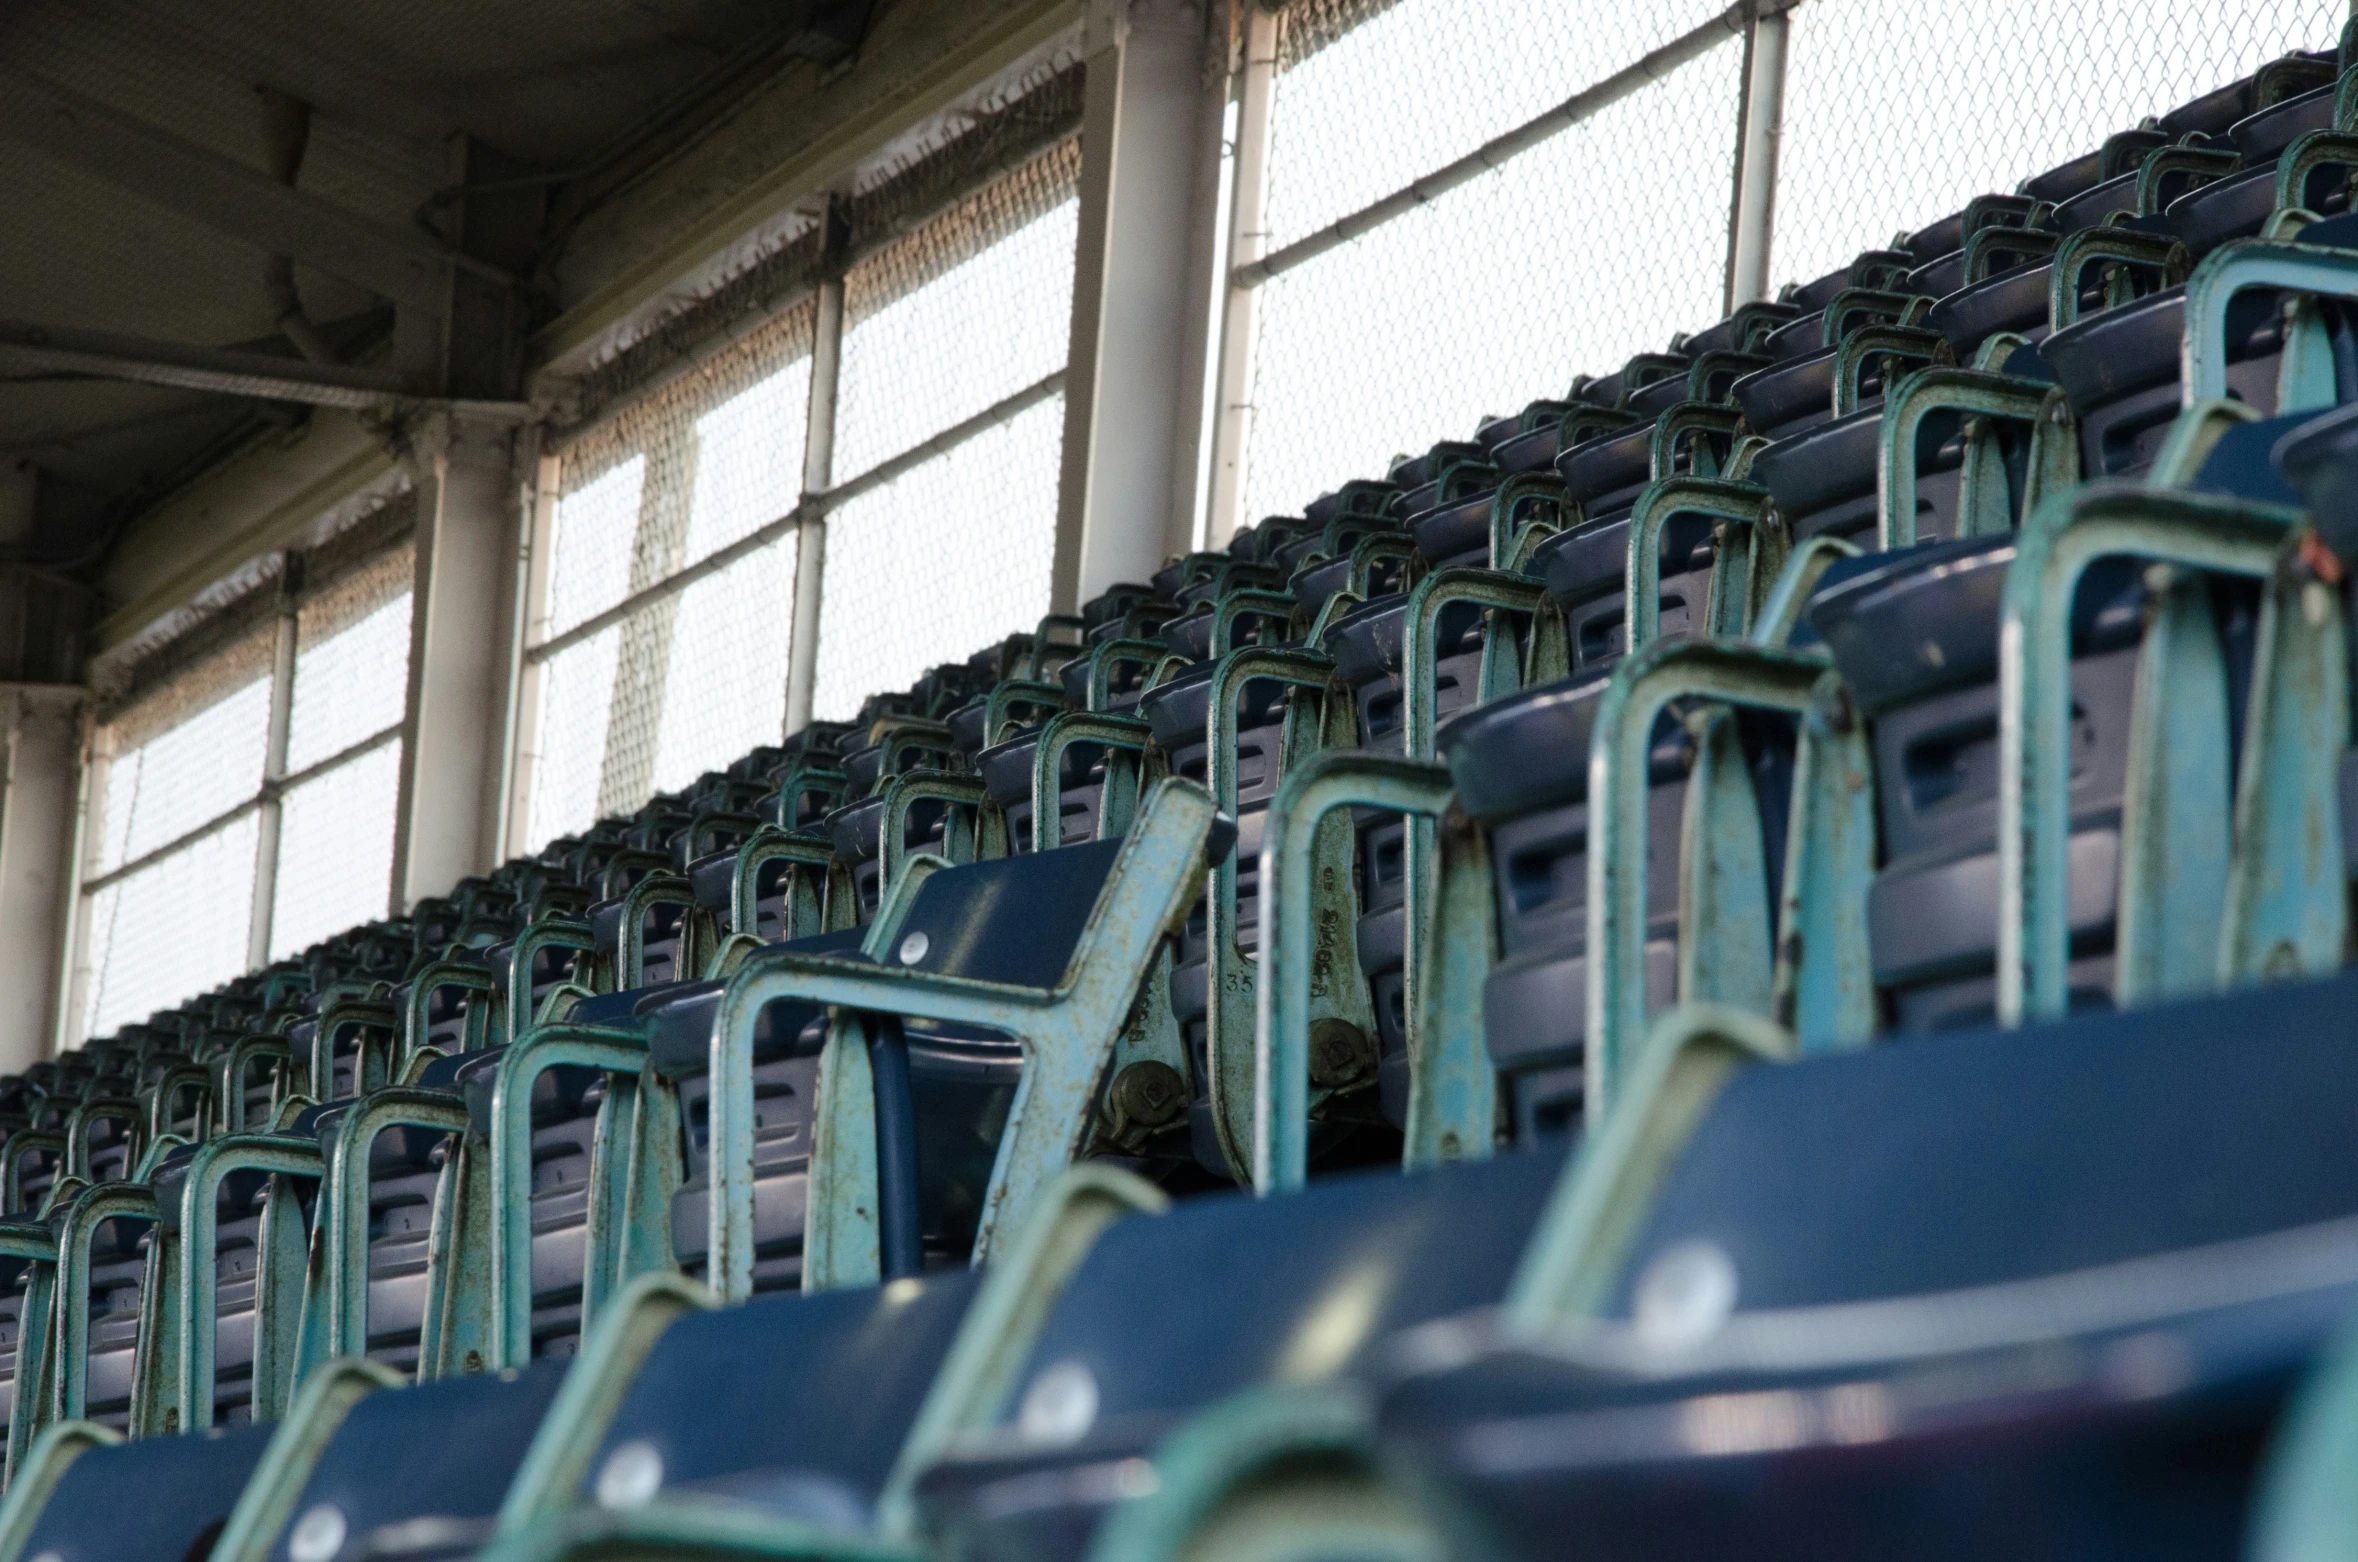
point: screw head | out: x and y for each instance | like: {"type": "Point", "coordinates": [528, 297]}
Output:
{"type": "Point", "coordinates": [318, 1534]}
{"type": "Point", "coordinates": [913, 948]}
{"type": "Point", "coordinates": [1340, 1054]}
{"type": "Point", "coordinates": [631, 1475]}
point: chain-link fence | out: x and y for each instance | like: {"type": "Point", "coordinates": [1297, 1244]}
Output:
{"type": "Point", "coordinates": [1897, 114]}
{"type": "Point", "coordinates": [964, 315]}
{"type": "Point", "coordinates": [690, 678]}
{"type": "Point", "coordinates": [1607, 237]}
{"type": "Point", "coordinates": [186, 852]}
{"type": "Point", "coordinates": [336, 819]}
{"type": "Point", "coordinates": [1601, 242]}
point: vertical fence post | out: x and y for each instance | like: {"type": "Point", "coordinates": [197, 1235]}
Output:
{"type": "Point", "coordinates": [1248, 227]}
{"type": "Point", "coordinates": [818, 474]}
{"type": "Point", "coordinates": [274, 761]}
{"type": "Point", "coordinates": [1760, 124]}
{"type": "Point", "coordinates": [526, 672]}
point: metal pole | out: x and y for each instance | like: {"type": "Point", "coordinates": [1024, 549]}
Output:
{"type": "Point", "coordinates": [274, 762]}
{"type": "Point", "coordinates": [532, 627]}
{"type": "Point", "coordinates": [818, 474]}
{"type": "Point", "coordinates": [1760, 127]}
{"type": "Point", "coordinates": [95, 747]}
{"type": "Point", "coordinates": [1248, 216]}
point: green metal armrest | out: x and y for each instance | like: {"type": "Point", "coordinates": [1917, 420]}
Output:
{"type": "Point", "coordinates": [1067, 1033]}
{"type": "Point", "coordinates": [1452, 1096]}
{"type": "Point", "coordinates": [1010, 695]}
{"type": "Point", "coordinates": [2284, 910]}
{"type": "Point", "coordinates": [1119, 798]}
{"type": "Point", "coordinates": [971, 829]}
{"type": "Point", "coordinates": [1229, 1017]}
{"type": "Point", "coordinates": [190, 1310]}
{"type": "Point", "coordinates": [1739, 504]}
{"type": "Point", "coordinates": [267, 1504]}
{"type": "Point", "coordinates": [1600, 1205]}
{"type": "Point", "coordinates": [650, 894]}
{"type": "Point", "coordinates": [441, 976]}
{"type": "Point", "coordinates": [1893, 344]}
{"type": "Point", "coordinates": [804, 904]}
{"type": "Point", "coordinates": [2229, 270]}
{"type": "Point", "coordinates": [69, 1346]}
{"type": "Point", "coordinates": [2054, 457]}
{"type": "Point", "coordinates": [554, 933]}
{"type": "Point", "coordinates": [1420, 634]}
{"type": "Point", "coordinates": [375, 1064]}
{"type": "Point", "coordinates": [1526, 509]}
{"type": "Point", "coordinates": [1724, 949]}
{"type": "Point", "coordinates": [344, 1207]}
{"type": "Point", "coordinates": [2159, 252]}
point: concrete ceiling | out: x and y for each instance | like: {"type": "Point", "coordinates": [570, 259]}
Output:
{"type": "Point", "coordinates": [145, 193]}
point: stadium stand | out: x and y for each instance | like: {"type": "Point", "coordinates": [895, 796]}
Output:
{"type": "Point", "coordinates": [1751, 957]}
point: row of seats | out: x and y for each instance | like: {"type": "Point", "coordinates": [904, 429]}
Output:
{"type": "Point", "coordinates": [1821, 852]}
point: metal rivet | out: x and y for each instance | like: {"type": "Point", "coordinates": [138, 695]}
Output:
{"type": "Point", "coordinates": [913, 948]}
{"type": "Point", "coordinates": [1685, 1297]}
{"type": "Point", "coordinates": [319, 1534]}
{"type": "Point", "coordinates": [1061, 1405]}
{"type": "Point", "coordinates": [631, 1476]}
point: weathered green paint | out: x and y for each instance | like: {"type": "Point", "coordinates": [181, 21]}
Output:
{"type": "Point", "coordinates": [977, 1377]}
{"type": "Point", "coordinates": [1620, 748]}
{"type": "Point", "coordinates": [1290, 869]}
{"type": "Point", "coordinates": [548, 1482]}
{"type": "Point", "coordinates": [2230, 269]}
{"type": "Point", "coordinates": [195, 1240]}
{"type": "Point", "coordinates": [1985, 505]}
{"type": "Point", "coordinates": [1067, 1033]}
{"type": "Point", "coordinates": [2287, 902]}
{"type": "Point", "coordinates": [2176, 813]}
{"type": "Point", "coordinates": [1825, 973]}
{"type": "Point", "coordinates": [1781, 613]}
{"type": "Point", "coordinates": [1742, 504]}
{"type": "Point", "coordinates": [2054, 547]}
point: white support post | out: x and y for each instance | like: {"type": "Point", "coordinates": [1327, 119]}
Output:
{"type": "Point", "coordinates": [1127, 384]}
{"type": "Point", "coordinates": [274, 763]}
{"type": "Point", "coordinates": [38, 839]}
{"type": "Point", "coordinates": [532, 626]}
{"type": "Point", "coordinates": [1248, 227]}
{"type": "Point", "coordinates": [447, 825]}
{"type": "Point", "coordinates": [1760, 125]}
{"type": "Point", "coordinates": [818, 473]}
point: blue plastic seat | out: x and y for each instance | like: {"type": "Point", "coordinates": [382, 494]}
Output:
{"type": "Point", "coordinates": [2037, 1291]}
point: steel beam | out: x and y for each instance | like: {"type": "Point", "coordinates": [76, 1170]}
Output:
{"type": "Point", "coordinates": [1125, 384]}
{"type": "Point", "coordinates": [36, 863]}
{"type": "Point", "coordinates": [1752, 224]}
{"type": "Point", "coordinates": [400, 263]}
{"type": "Point", "coordinates": [221, 370]}
{"type": "Point", "coordinates": [469, 512]}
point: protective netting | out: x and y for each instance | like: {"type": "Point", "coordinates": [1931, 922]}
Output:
{"type": "Point", "coordinates": [162, 784]}
{"type": "Point", "coordinates": [175, 927]}
{"type": "Point", "coordinates": [952, 554]}
{"type": "Point", "coordinates": [691, 679]}
{"type": "Point", "coordinates": [1897, 113]}
{"type": "Point", "coordinates": [963, 313]}
{"type": "Point", "coordinates": [336, 827]}
{"type": "Point", "coordinates": [168, 907]}
{"type": "Point", "coordinates": [943, 561]}
{"type": "Point", "coordinates": [1601, 242]}
{"type": "Point", "coordinates": [335, 849]}
{"type": "Point", "coordinates": [1364, 106]}
{"type": "Point", "coordinates": [351, 663]}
